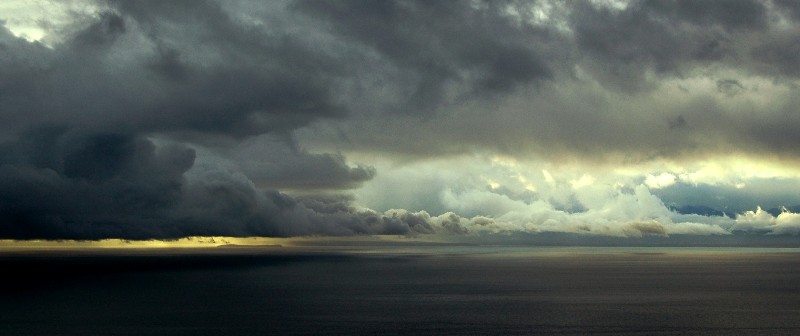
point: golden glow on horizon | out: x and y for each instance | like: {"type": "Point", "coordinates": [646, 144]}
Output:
{"type": "Point", "coordinates": [203, 242]}
{"type": "Point", "coordinates": [188, 242]}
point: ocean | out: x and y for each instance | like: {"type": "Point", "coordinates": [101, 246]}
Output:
{"type": "Point", "coordinates": [427, 290]}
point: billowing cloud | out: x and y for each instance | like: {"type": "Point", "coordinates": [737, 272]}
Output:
{"type": "Point", "coordinates": [165, 119]}
{"type": "Point", "coordinates": [442, 46]}
{"type": "Point", "coordinates": [761, 221]}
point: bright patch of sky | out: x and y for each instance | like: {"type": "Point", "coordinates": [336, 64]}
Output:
{"type": "Point", "coordinates": [44, 21]}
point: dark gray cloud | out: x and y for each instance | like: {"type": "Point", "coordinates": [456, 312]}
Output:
{"type": "Point", "coordinates": [296, 169]}
{"type": "Point", "coordinates": [792, 7]}
{"type": "Point", "coordinates": [131, 69]}
{"type": "Point", "coordinates": [84, 167]}
{"type": "Point", "coordinates": [666, 37]}
{"type": "Point", "coordinates": [648, 80]}
{"type": "Point", "coordinates": [675, 38]}
{"type": "Point", "coordinates": [57, 183]}
{"type": "Point", "coordinates": [778, 53]}
{"type": "Point", "coordinates": [735, 15]}
{"type": "Point", "coordinates": [442, 44]}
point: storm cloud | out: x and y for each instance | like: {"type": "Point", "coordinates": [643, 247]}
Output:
{"type": "Point", "coordinates": [166, 119]}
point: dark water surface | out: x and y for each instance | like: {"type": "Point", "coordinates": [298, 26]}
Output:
{"type": "Point", "coordinates": [472, 291]}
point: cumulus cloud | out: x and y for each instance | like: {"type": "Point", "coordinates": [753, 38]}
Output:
{"type": "Point", "coordinates": [612, 206]}
{"type": "Point", "coordinates": [759, 220]}
{"type": "Point", "coordinates": [622, 213]}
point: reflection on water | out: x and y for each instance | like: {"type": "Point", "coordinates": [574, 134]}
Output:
{"type": "Point", "coordinates": [401, 290]}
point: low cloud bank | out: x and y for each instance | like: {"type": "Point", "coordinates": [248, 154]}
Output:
{"type": "Point", "coordinates": [64, 184]}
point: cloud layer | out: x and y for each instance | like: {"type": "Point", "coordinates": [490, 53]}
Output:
{"type": "Point", "coordinates": [155, 119]}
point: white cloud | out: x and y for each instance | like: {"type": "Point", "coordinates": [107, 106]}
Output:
{"type": "Point", "coordinates": [787, 223]}
{"type": "Point", "coordinates": [584, 181]}
{"type": "Point", "coordinates": [761, 221]}
{"type": "Point", "coordinates": [635, 214]}
{"type": "Point", "coordinates": [660, 181]}
{"type": "Point", "coordinates": [566, 198]}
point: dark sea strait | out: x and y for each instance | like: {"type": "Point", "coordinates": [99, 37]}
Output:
{"type": "Point", "coordinates": [430, 290]}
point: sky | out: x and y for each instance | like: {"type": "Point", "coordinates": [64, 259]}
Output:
{"type": "Point", "coordinates": [458, 119]}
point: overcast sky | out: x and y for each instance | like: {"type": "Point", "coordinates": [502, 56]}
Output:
{"type": "Point", "coordinates": [166, 119]}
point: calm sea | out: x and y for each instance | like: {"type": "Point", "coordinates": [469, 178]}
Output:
{"type": "Point", "coordinates": [402, 291]}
